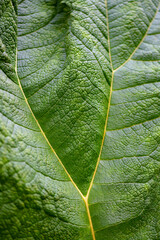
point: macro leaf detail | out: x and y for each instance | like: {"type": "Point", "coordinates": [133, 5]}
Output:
{"type": "Point", "coordinates": [79, 119]}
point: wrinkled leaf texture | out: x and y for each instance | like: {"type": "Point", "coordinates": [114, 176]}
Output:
{"type": "Point", "coordinates": [80, 129]}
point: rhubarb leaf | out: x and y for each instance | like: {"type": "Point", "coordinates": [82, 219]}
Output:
{"type": "Point", "coordinates": [80, 129]}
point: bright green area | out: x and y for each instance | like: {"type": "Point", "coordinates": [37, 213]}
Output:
{"type": "Point", "coordinates": [37, 199]}
{"type": "Point", "coordinates": [64, 67]}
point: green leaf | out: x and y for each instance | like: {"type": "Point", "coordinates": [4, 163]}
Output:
{"type": "Point", "coordinates": [80, 129]}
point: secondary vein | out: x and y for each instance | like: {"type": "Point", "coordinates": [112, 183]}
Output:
{"type": "Point", "coordinates": [41, 130]}
{"type": "Point", "coordinates": [105, 126]}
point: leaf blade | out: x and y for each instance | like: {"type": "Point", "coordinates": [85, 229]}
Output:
{"type": "Point", "coordinates": [37, 198]}
{"type": "Point", "coordinates": [70, 97]}
{"type": "Point", "coordinates": [129, 160]}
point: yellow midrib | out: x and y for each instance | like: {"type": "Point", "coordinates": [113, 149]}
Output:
{"type": "Point", "coordinates": [85, 198]}
{"type": "Point", "coordinates": [109, 102]}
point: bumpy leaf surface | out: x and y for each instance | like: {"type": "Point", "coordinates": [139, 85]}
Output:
{"type": "Point", "coordinates": [79, 119]}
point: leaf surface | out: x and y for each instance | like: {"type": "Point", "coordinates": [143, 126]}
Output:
{"type": "Point", "coordinates": [80, 127]}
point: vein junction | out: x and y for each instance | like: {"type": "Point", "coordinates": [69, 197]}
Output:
{"type": "Point", "coordinates": [85, 198]}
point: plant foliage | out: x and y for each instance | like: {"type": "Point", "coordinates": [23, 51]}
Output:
{"type": "Point", "coordinates": [80, 126]}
